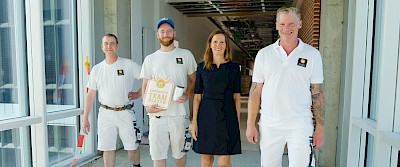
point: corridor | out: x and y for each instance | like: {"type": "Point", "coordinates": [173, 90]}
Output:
{"type": "Point", "coordinates": [250, 156]}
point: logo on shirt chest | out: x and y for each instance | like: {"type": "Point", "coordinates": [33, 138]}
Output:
{"type": "Point", "coordinates": [179, 60]}
{"type": "Point", "coordinates": [120, 72]}
{"type": "Point", "coordinates": [302, 62]}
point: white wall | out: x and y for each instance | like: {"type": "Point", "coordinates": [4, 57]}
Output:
{"type": "Point", "coordinates": [124, 28]}
{"type": "Point", "coordinates": [148, 12]}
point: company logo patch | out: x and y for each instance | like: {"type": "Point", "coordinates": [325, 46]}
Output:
{"type": "Point", "coordinates": [302, 62]}
{"type": "Point", "coordinates": [120, 72]}
{"type": "Point", "coordinates": [179, 60]}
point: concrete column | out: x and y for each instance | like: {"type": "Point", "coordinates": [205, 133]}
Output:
{"type": "Point", "coordinates": [110, 16]}
{"type": "Point", "coordinates": [331, 26]}
{"type": "Point", "coordinates": [99, 31]}
{"type": "Point", "coordinates": [117, 20]}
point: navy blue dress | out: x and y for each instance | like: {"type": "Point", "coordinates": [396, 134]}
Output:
{"type": "Point", "coordinates": [218, 126]}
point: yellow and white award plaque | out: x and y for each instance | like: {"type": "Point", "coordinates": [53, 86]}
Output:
{"type": "Point", "coordinates": [158, 92]}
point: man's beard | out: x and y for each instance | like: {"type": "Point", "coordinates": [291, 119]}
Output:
{"type": "Point", "coordinates": [167, 43]}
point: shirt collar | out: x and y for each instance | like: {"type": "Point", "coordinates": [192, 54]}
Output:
{"type": "Point", "coordinates": [299, 46]}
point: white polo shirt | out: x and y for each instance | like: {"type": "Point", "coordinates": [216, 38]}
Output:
{"type": "Point", "coordinates": [286, 96]}
{"type": "Point", "coordinates": [177, 64]}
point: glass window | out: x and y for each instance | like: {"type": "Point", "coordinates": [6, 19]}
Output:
{"type": "Point", "coordinates": [59, 17]}
{"type": "Point", "coordinates": [62, 137]}
{"type": "Point", "coordinates": [11, 148]}
{"type": "Point", "coordinates": [13, 93]}
{"type": "Point", "coordinates": [369, 150]}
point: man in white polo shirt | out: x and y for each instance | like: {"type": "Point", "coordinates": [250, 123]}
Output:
{"type": "Point", "coordinates": [287, 81]}
{"type": "Point", "coordinates": [113, 78]}
{"type": "Point", "coordinates": [167, 127]}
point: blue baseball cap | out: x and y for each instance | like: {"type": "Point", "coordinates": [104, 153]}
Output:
{"type": "Point", "coordinates": [165, 20]}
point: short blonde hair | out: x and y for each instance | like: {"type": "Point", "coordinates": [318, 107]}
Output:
{"type": "Point", "coordinates": [288, 10]}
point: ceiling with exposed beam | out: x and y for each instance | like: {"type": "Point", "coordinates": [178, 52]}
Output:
{"type": "Point", "coordinates": [249, 23]}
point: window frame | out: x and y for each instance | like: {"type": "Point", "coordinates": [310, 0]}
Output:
{"type": "Point", "coordinates": [356, 71]}
{"type": "Point", "coordinates": [38, 117]}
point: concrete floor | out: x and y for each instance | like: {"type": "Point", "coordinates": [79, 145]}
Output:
{"type": "Point", "coordinates": [250, 156]}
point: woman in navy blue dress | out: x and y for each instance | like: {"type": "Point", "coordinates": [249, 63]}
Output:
{"type": "Point", "coordinates": [216, 104]}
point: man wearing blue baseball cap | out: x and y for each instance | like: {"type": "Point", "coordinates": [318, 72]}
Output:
{"type": "Point", "coordinates": [168, 126]}
{"type": "Point", "coordinates": [165, 20]}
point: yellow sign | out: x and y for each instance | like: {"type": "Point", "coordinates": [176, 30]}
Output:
{"type": "Point", "coordinates": [158, 92]}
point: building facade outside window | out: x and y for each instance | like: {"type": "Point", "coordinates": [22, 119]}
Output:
{"type": "Point", "coordinates": [60, 46]}
{"type": "Point", "coordinates": [14, 148]}
{"type": "Point", "coordinates": [60, 49]}
{"type": "Point", "coordinates": [13, 92]}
